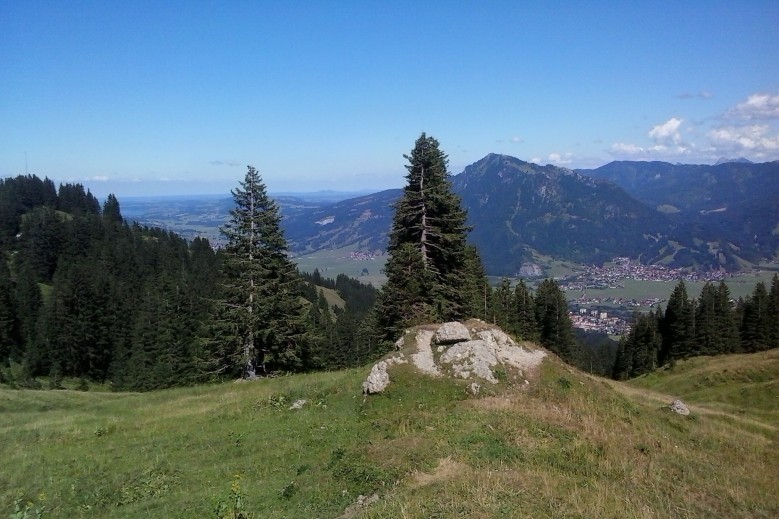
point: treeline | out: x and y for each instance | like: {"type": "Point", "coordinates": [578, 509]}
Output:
{"type": "Point", "coordinates": [542, 316]}
{"type": "Point", "coordinates": [85, 294]}
{"type": "Point", "coordinates": [712, 324]}
{"type": "Point", "coordinates": [344, 338]}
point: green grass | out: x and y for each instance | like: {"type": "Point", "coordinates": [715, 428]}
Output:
{"type": "Point", "coordinates": [330, 263]}
{"type": "Point", "coordinates": [569, 446]}
{"type": "Point", "coordinates": [740, 286]}
{"type": "Point", "coordinates": [742, 385]}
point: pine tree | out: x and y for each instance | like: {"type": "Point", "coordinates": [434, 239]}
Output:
{"type": "Point", "coordinates": [554, 324]}
{"type": "Point", "coordinates": [708, 340]}
{"type": "Point", "coordinates": [111, 211]}
{"type": "Point", "coordinates": [261, 317]}
{"type": "Point", "coordinates": [475, 285]}
{"type": "Point", "coordinates": [727, 322]}
{"type": "Point", "coordinates": [502, 307]}
{"type": "Point", "coordinates": [405, 299]}
{"type": "Point", "coordinates": [9, 340]}
{"type": "Point", "coordinates": [524, 308]}
{"type": "Point", "coordinates": [624, 361]}
{"type": "Point", "coordinates": [28, 305]}
{"type": "Point", "coordinates": [677, 326]}
{"type": "Point", "coordinates": [428, 242]}
{"type": "Point", "coordinates": [773, 313]}
{"type": "Point", "coordinates": [755, 326]}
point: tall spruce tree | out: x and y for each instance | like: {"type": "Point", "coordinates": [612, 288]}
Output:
{"type": "Point", "coordinates": [755, 326]}
{"type": "Point", "coordinates": [9, 341]}
{"type": "Point", "coordinates": [677, 326]}
{"type": "Point", "coordinates": [773, 313]}
{"type": "Point", "coordinates": [638, 350]}
{"type": "Point", "coordinates": [554, 325]}
{"type": "Point", "coordinates": [708, 338]}
{"type": "Point", "coordinates": [727, 321]}
{"type": "Point", "coordinates": [524, 308]}
{"type": "Point", "coordinates": [260, 318]}
{"type": "Point", "coordinates": [427, 268]}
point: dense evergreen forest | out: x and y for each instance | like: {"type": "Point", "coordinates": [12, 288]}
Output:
{"type": "Point", "coordinates": [84, 294]}
{"type": "Point", "coordinates": [712, 324]}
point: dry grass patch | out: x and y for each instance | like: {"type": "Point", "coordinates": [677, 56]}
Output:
{"type": "Point", "coordinates": [446, 469]}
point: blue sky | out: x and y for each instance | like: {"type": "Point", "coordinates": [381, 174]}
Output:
{"type": "Point", "coordinates": [178, 97]}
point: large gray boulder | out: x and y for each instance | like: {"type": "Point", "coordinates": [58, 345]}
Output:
{"type": "Point", "coordinates": [451, 333]}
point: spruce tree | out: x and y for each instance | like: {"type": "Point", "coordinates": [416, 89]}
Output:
{"type": "Point", "coordinates": [427, 265]}
{"type": "Point", "coordinates": [554, 325]}
{"type": "Point", "coordinates": [773, 313]}
{"type": "Point", "coordinates": [501, 308]}
{"type": "Point", "coordinates": [9, 340]}
{"type": "Point", "coordinates": [524, 308]}
{"type": "Point", "coordinates": [755, 327]}
{"type": "Point", "coordinates": [727, 322]}
{"type": "Point", "coordinates": [677, 326]}
{"type": "Point", "coordinates": [28, 305]}
{"type": "Point", "coordinates": [260, 317]}
{"type": "Point", "coordinates": [475, 285]}
{"type": "Point", "coordinates": [708, 340]}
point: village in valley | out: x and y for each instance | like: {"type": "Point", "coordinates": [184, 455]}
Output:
{"type": "Point", "coordinates": [612, 315]}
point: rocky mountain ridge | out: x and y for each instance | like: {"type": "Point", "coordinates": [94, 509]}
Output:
{"type": "Point", "coordinates": [519, 209]}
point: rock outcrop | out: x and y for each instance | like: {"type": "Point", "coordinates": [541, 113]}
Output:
{"type": "Point", "coordinates": [378, 379]}
{"type": "Point", "coordinates": [474, 350]}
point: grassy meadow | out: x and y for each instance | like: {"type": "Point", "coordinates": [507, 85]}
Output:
{"type": "Point", "coordinates": [569, 445]}
{"type": "Point", "coordinates": [333, 262]}
{"type": "Point", "coordinates": [330, 263]}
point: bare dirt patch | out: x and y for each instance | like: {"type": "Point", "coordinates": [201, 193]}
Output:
{"type": "Point", "coordinates": [447, 469]}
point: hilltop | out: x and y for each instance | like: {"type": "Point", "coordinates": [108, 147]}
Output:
{"type": "Point", "coordinates": [567, 445]}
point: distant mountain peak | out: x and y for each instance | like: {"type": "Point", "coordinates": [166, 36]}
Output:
{"type": "Point", "coordinates": [740, 160]}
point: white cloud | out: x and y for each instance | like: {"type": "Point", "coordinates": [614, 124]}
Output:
{"type": "Point", "coordinates": [621, 148]}
{"type": "Point", "coordinates": [536, 160]}
{"type": "Point", "coordinates": [99, 178]}
{"type": "Point", "coordinates": [668, 132]}
{"type": "Point", "coordinates": [755, 138]}
{"type": "Point", "coordinates": [517, 139]}
{"type": "Point", "coordinates": [656, 152]}
{"type": "Point", "coordinates": [750, 129]}
{"type": "Point", "coordinates": [231, 163]}
{"type": "Point", "coordinates": [558, 158]}
{"type": "Point", "coordinates": [756, 107]}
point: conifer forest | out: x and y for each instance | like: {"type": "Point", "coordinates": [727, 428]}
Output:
{"type": "Point", "coordinates": [86, 294]}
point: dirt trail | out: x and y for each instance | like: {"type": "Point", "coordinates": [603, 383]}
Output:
{"type": "Point", "coordinates": [649, 396]}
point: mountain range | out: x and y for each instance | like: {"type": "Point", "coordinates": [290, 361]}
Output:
{"type": "Point", "coordinates": [705, 217]}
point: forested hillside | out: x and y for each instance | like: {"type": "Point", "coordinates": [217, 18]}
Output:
{"type": "Point", "coordinates": [729, 203]}
{"type": "Point", "coordinates": [86, 295]}
{"type": "Point", "coordinates": [712, 324]}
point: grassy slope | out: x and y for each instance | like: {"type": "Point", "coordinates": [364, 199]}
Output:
{"type": "Point", "coordinates": [569, 446]}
